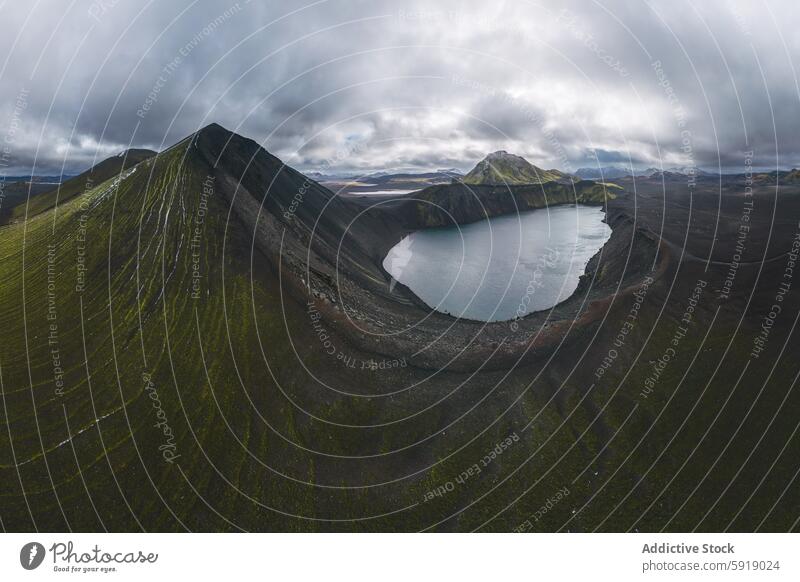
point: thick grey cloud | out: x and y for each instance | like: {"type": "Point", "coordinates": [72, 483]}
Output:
{"type": "Point", "coordinates": [363, 85]}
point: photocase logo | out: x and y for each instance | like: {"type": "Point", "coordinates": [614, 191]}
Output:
{"type": "Point", "coordinates": [31, 555]}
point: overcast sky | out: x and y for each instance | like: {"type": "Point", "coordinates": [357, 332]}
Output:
{"type": "Point", "coordinates": [345, 85]}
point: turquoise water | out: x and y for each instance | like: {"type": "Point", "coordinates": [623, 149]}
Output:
{"type": "Point", "coordinates": [501, 268]}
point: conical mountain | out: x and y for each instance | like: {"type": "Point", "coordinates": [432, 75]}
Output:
{"type": "Point", "coordinates": [153, 329]}
{"type": "Point", "coordinates": [501, 168]}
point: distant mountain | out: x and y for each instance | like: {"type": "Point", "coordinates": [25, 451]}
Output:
{"type": "Point", "coordinates": [318, 176]}
{"type": "Point", "coordinates": [384, 175]}
{"type": "Point", "coordinates": [602, 173]}
{"type": "Point", "coordinates": [37, 179]}
{"type": "Point", "coordinates": [423, 179]}
{"type": "Point", "coordinates": [688, 170]}
{"type": "Point", "coordinates": [327, 177]}
{"type": "Point", "coordinates": [612, 172]}
{"type": "Point", "coordinates": [501, 168]}
{"type": "Point", "coordinates": [388, 181]}
{"type": "Point", "coordinates": [777, 177]}
{"type": "Point", "coordinates": [675, 173]}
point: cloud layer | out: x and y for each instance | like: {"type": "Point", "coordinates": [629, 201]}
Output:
{"type": "Point", "coordinates": [364, 85]}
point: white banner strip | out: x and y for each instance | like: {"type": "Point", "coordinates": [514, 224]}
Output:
{"type": "Point", "coordinates": [400, 557]}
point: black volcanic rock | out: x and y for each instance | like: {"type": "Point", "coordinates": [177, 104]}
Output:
{"type": "Point", "coordinates": [297, 221]}
{"type": "Point", "coordinates": [461, 204]}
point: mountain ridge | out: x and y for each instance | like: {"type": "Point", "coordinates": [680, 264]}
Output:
{"type": "Point", "coordinates": [76, 185]}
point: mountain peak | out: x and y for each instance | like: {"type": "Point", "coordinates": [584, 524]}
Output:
{"type": "Point", "coordinates": [214, 130]}
{"type": "Point", "coordinates": [213, 126]}
{"type": "Point", "coordinates": [219, 145]}
{"type": "Point", "coordinates": [503, 168]}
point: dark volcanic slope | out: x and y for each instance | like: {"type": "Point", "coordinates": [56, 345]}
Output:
{"type": "Point", "coordinates": [177, 378]}
{"type": "Point", "coordinates": [460, 203]}
{"type": "Point", "coordinates": [298, 222]}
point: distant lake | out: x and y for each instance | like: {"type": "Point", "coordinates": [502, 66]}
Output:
{"type": "Point", "coordinates": [379, 192]}
{"type": "Point", "coordinates": [501, 268]}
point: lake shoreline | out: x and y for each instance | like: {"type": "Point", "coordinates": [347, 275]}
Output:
{"type": "Point", "coordinates": [393, 322]}
{"type": "Point", "coordinates": [549, 253]}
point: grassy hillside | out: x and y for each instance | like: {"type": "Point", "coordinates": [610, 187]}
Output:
{"type": "Point", "coordinates": [105, 170]}
{"type": "Point", "coordinates": [502, 168]}
{"type": "Point", "coordinates": [16, 193]}
{"type": "Point", "coordinates": [110, 375]}
{"type": "Point", "coordinates": [149, 380]}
